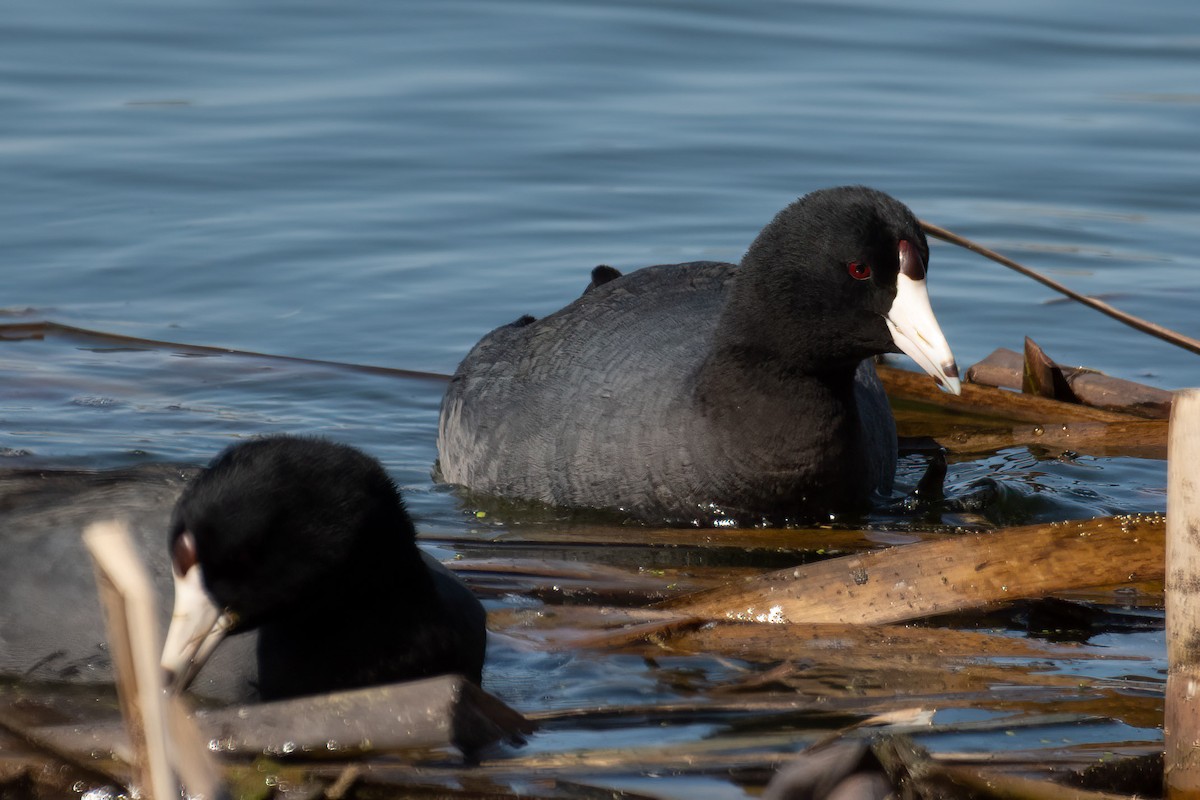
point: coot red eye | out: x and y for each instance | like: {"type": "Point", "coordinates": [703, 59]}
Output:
{"type": "Point", "coordinates": [858, 270]}
{"type": "Point", "coordinates": [183, 553]}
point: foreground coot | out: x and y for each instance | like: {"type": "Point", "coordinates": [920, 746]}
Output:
{"type": "Point", "coordinates": [308, 542]}
{"type": "Point", "coordinates": [708, 392]}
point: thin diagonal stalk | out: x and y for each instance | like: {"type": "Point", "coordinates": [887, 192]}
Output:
{"type": "Point", "coordinates": [1145, 326]}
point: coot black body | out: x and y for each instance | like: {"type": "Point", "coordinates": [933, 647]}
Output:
{"type": "Point", "coordinates": [706, 392]}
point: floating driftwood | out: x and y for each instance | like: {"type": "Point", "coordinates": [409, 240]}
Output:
{"type": "Point", "coordinates": [1136, 439]}
{"type": "Point", "coordinates": [445, 711]}
{"type": "Point", "coordinates": [430, 714]}
{"type": "Point", "coordinates": [1106, 416]}
{"type": "Point", "coordinates": [1003, 368]}
{"type": "Point", "coordinates": [921, 580]}
{"type": "Point", "coordinates": [908, 766]}
{"type": "Point", "coordinates": [719, 757]}
{"type": "Point", "coordinates": [1117, 417]}
{"type": "Point", "coordinates": [988, 401]}
{"type": "Point", "coordinates": [26, 752]}
{"type": "Point", "coordinates": [575, 537]}
{"type": "Point", "coordinates": [807, 640]}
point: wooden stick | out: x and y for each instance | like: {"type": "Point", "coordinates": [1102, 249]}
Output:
{"type": "Point", "coordinates": [1003, 367]}
{"type": "Point", "coordinates": [128, 597]}
{"type": "Point", "coordinates": [939, 577]}
{"type": "Point", "coordinates": [1142, 438]}
{"type": "Point", "coordinates": [902, 384]}
{"type": "Point", "coordinates": [1145, 326]}
{"type": "Point", "coordinates": [86, 764]}
{"type": "Point", "coordinates": [1181, 724]}
{"type": "Point", "coordinates": [996, 784]}
{"type": "Point", "coordinates": [1042, 377]}
{"type": "Point", "coordinates": [42, 329]}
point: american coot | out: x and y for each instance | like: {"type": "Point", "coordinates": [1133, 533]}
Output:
{"type": "Point", "coordinates": [272, 517]}
{"type": "Point", "coordinates": [705, 392]}
{"type": "Point", "coordinates": [308, 542]}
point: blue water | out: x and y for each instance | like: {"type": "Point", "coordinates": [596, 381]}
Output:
{"type": "Point", "coordinates": [383, 183]}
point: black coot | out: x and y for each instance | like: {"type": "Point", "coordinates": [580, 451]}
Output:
{"type": "Point", "coordinates": [706, 391]}
{"type": "Point", "coordinates": [308, 542]}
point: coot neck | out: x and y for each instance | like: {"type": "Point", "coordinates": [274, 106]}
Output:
{"type": "Point", "coordinates": [352, 635]}
{"type": "Point", "coordinates": [776, 335]}
{"type": "Point", "coordinates": [735, 373]}
{"type": "Point", "coordinates": [379, 576]}
{"type": "Point", "coordinates": [797, 431]}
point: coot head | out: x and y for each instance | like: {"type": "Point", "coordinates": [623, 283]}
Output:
{"type": "Point", "coordinates": [836, 277]}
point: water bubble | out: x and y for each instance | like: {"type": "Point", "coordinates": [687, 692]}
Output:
{"type": "Point", "coordinates": [774, 615]}
{"type": "Point", "coordinates": [88, 401]}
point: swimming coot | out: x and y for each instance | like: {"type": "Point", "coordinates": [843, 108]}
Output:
{"type": "Point", "coordinates": [707, 392]}
{"type": "Point", "coordinates": [308, 542]}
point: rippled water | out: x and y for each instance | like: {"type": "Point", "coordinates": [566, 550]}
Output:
{"type": "Point", "coordinates": [384, 183]}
